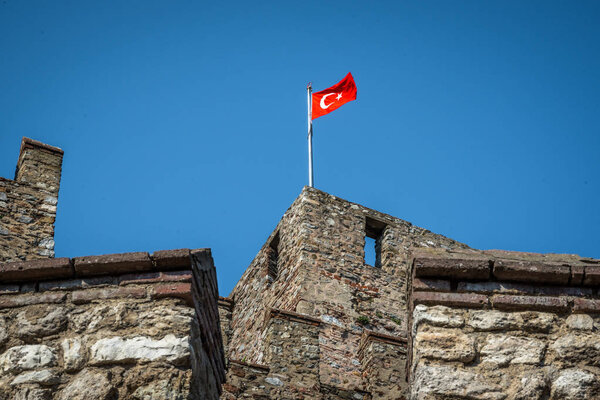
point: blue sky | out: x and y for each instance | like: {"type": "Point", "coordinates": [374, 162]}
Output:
{"type": "Point", "coordinates": [184, 122]}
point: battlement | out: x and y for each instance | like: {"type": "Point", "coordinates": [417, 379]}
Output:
{"type": "Point", "coordinates": [28, 203]}
{"type": "Point", "coordinates": [73, 325]}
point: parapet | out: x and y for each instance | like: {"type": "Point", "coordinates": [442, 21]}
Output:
{"type": "Point", "coordinates": [499, 324]}
{"type": "Point", "coordinates": [71, 326]}
{"type": "Point", "coordinates": [28, 203]}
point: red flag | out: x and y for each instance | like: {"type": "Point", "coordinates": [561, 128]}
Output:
{"type": "Point", "coordinates": [327, 100]}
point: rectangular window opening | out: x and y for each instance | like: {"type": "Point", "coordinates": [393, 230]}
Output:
{"type": "Point", "coordinates": [373, 236]}
{"type": "Point", "coordinates": [273, 267]}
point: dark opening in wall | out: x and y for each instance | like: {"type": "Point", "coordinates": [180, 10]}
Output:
{"type": "Point", "coordinates": [273, 267]}
{"type": "Point", "coordinates": [373, 236]}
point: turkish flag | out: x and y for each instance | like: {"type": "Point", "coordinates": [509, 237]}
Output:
{"type": "Point", "coordinates": [327, 100]}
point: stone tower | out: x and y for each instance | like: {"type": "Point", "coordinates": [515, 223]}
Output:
{"type": "Point", "coordinates": [28, 203]}
{"type": "Point", "coordinates": [310, 288]}
{"type": "Point", "coordinates": [430, 319]}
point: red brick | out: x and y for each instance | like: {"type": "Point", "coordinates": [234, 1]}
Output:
{"type": "Point", "coordinates": [592, 275]}
{"type": "Point", "coordinates": [172, 259]}
{"type": "Point", "coordinates": [531, 272]}
{"type": "Point", "coordinates": [577, 273]}
{"type": "Point", "coordinates": [534, 303]}
{"type": "Point", "coordinates": [179, 290]}
{"type": "Point", "coordinates": [155, 277]}
{"type": "Point", "coordinates": [450, 299]}
{"type": "Point", "coordinates": [292, 316]}
{"type": "Point", "coordinates": [112, 264]}
{"type": "Point", "coordinates": [30, 299]}
{"type": "Point", "coordinates": [431, 284]}
{"type": "Point", "coordinates": [85, 296]}
{"type": "Point", "coordinates": [586, 305]}
{"type": "Point", "coordinates": [36, 269]}
{"type": "Point", "coordinates": [73, 284]}
{"type": "Point", "coordinates": [467, 268]}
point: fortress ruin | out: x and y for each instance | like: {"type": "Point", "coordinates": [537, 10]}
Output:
{"type": "Point", "coordinates": [309, 319]}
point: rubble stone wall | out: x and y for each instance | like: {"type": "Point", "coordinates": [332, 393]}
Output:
{"type": "Point", "coordinates": [28, 203]}
{"type": "Point", "coordinates": [502, 325]}
{"type": "Point", "coordinates": [123, 326]}
{"type": "Point", "coordinates": [322, 274]}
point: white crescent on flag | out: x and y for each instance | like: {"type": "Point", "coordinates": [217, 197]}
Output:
{"type": "Point", "coordinates": [322, 104]}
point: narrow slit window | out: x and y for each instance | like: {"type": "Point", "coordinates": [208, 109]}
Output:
{"type": "Point", "coordinates": [273, 267]}
{"type": "Point", "coordinates": [373, 236]}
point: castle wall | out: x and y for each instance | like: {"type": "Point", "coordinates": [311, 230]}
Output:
{"type": "Point", "coordinates": [28, 203]}
{"type": "Point", "coordinates": [501, 325]}
{"type": "Point", "coordinates": [123, 326]}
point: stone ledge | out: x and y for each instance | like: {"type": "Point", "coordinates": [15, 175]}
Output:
{"type": "Point", "coordinates": [493, 287]}
{"type": "Point", "coordinates": [532, 303]}
{"type": "Point", "coordinates": [456, 268]}
{"type": "Point", "coordinates": [469, 300]}
{"type": "Point", "coordinates": [369, 335]}
{"type": "Point", "coordinates": [526, 271]}
{"type": "Point", "coordinates": [30, 299]}
{"type": "Point", "coordinates": [250, 365]}
{"type": "Point", "coordinates": [509, 266]}
{"type": "Point", "coordinates": [34, 270]}
{"type": "Point", "coordinates": [430, 284]}
{"type": "Point", "coordinates": [28, 143]}
{"type": "Point", "coordinates": [591, 275]}
{"type": "Point", "coordinates": [586, 306]}
{"type": "Point", "coordinates": [171, 259]}
{"type": "Point", "coordinates": [291, 316]}
{"type": "Point", "coordinates": [112, 264]}
{"type": "Point", "coordinates": [165, 263]}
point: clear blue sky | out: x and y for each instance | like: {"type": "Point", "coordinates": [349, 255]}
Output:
{"type": "Point", "coordinates": [184, 122]}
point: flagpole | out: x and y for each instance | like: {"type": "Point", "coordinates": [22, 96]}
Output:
{"type": "Point", "coordinates": [310, 132]}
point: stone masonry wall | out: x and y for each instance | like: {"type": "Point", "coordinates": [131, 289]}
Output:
{"type": "Point", "coordinates": [504, 325]}
{"type": "Point", "coordinates": [322, 274]}
{"type": "Point", "coordinates": [123, 326]}
{"type": "Point", "coordinates": [28, 203]}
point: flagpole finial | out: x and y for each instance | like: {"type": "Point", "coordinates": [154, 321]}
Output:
{"type": "Point", "coordinates": [309, 86]}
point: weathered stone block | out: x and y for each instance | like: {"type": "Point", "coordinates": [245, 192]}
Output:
{"type": "Point", "coordinates": [574, 384]}
{"type": "Point", "coordinates": [112, 264]}
{"type": "Point", "coordinates": [446, 345]}
{"type": "Point", "coordinates": [121, 350]}
{"type": "Point", "coordinates": [54, 268]}
{"type": "Point", "coordinates": [541, 303]}
{"type": "Point", "coordinates": [437, 316]}
{"type": "Point", "coordinates": [504, 350]}
{"type": "Point", "coordinates": [44, 377]}
{"type": "Point", "coordinates": [447, 382]}
{"type": "Point", "coordinates": [468, 268]}
{"type": "Point", "coordinates": [20, 358]}
{"type": "Point", "coordinates": [523, 271]}
{"type": "Point", "coordinates": [30, 299]}
{"type": "Point", "coordinates": [89, 384]}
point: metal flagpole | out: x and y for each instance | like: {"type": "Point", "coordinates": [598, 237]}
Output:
{"type": "Point", "coordinates": [310, 132]}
